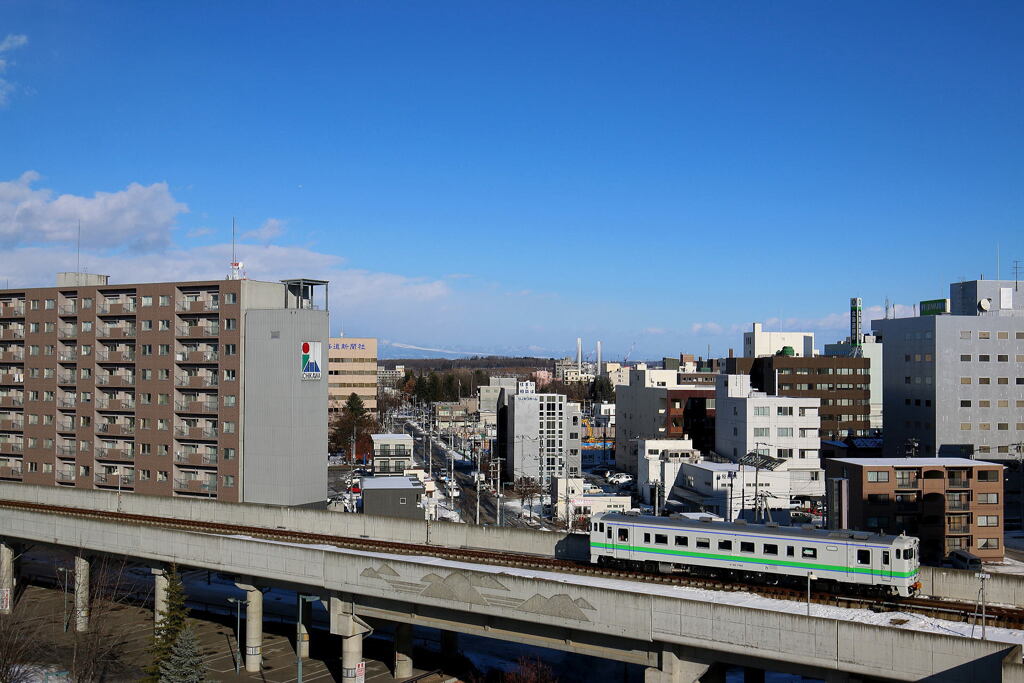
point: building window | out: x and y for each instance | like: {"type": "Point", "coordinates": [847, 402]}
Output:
{"type": "Point", "coordinates": [965, 403]}
{"type": "Point", "coordinates": [785, 431]}
{"type": "Point", "coordinates": [761, 411]}
{"type": "Point", "coordinates": [230, 400]}
{"type": "Point", "coordinates": [230, 323]}
{"type": "Point", "coordinates": [229, 453]}
{"type": "Point", "coordinates": [230, 375]}
{"type": "Point", "coordinates": [988, 520]}
{"type": "Point", "coordinates": [230, 349]}
{"type": "Point", "coordinates": [988, 475]}
{"type": "Point", "coordinates": [784, 410]}
{"type": "Point", "coordinates": [988, 544]}
{"type": "Point", "coordinates": [965, 380]}
{"type": "Point", "coordinates": [229, 427]}
{"type": "Point", "coordinates": [161, 475]}
{"type": "Point", "coordinates": [762, 431]}
{"type": "Point", "coordinates": [878, 475]}
{"type": "Point", "coordinates": [988, 498]}
{"type": "Point", "coordinates": [147, 301]}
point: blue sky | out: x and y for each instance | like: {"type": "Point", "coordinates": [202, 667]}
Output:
{"type": "Point", "coordinates": [505, 177]}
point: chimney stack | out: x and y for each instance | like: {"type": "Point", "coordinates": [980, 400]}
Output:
{"type": "Point", "coordinates": [579, 354]}
{"type": "Point", "coordinates": [597, 372]}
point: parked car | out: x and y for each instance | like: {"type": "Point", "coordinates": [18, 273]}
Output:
{"type": "Point", "coordinates": [620, 478]}
{"type": "Point", "coordinates": [961, 559]}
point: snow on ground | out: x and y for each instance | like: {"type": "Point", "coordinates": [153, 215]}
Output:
{"type": "Point", "coordinates": [913, 622]}
{"type": "Point", "coordinates": [445, 508]}
{"type": "Point", "coordinates": [1007, 566]}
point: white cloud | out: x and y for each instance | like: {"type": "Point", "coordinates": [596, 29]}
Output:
{"type": "Point", "coordinates": [271, 228]}
{"type": "Point", "coordinates": [138, 217]}
{"type": "Point", "coordinates": [706, 328]}
{"type": "Point", "coordinates": [11, 42]}
{"type": "Point", "coordinates": [400, 345]}
{"type": "Point", "coordinates": [198, 232]}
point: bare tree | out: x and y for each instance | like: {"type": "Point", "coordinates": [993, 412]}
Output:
{"type": "Point", "coordinates": [530, 670]}
{"type": "Point", "coordinates": [21, 645]}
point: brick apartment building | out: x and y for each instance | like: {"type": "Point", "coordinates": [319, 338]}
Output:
{"type": "Point", "coordinates": [949, 503]}
{"type": "Point", "coordinates": [199, 389]}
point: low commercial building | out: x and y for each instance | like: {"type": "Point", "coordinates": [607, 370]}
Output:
{"type": "Point", "coordinates": [393, 497]}
{"type": "Point", "coordinates": [949, 503]}
{"type": "Point", "coordinates": [584, 500]}
{"type": "Point", "coordinates": [658, 463]}
{"type": "Point", "coordinates": [392, 454]}
{"type": "Point", "coordinates": [758, 342]}
{"type": "Point", "coordinates": [726, 489]}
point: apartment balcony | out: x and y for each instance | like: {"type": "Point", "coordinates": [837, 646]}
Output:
{"type": "Point", "coordinates": [903, 484]}
{"type": "Point", "coordinates": [195, 433]}
{"type": "Point", "coordinates": [11, 424]}
{"type": "Point", "coordinates": [958, 529]}
{"type": "Point", "coordinates": [118, 454]}
{"type": "Point", "coordinates": [66, 378]}
{"type": "Point", "coordinates": [69, 309]}
{"type": "Point", "coordinates": [196, 381]}
{"type": "Point", "coordinates": [200, 306]}
{"type": "Point", "coordinates": [69, 332]}
{"type": "Point", "coordinates": [184, 485]}
{"type": "Point", "coordinates": [115, 380]}
{"type": "Point", "coordinates": [118, 480]}
{"type": "Point", "coordinates": [66, 426]}
{"type": "Point", "coordinates": [66, 451]}
{"type": "Point", "coordinates": [67, 403]}
{"type": "Point", "coordinates": [112, 356]}
{"type": "Point", "coordinates": [196, 356]}
{"type": "Point", "coordinates": [10, 471]}
{"type": "Point", "coordinates": [115, 404]}
{"type": "Point", "coordinates": [195, 458]}
{"type": "Point", "coordinates": [11, 378]}
{"type": "Point", "coordinates": [197, 331]}
{"type": "Point", "coordinates": [197, 406]}
{"type": "Point", "coordinates": [11, 448]}
{"type": "Point", "coordinates": [958, 483]}
{"type": "Point", "coordinates": [68, 356]}
{"type": "Point", "coordinates": [116, 332]}
{"type": "Point", "coordinates": [115, 429]}
{"type": "Point", "coordinates": [958, 505]}
{"type": "Point", "coordinates": [12, 401]}
{"type": "Point", "coordinates": [12, 311]}
{"type": "Point", "coordinates": [116, 308]}
{"type": "Point", "coordinates": [12, 355]}
{"type": "Point", "coordinates": [65, 476]}
{"type": "Point", "coordinates": [11, 333]}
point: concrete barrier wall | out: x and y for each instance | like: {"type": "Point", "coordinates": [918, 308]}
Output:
{"type": "Point", "coordinates": [551, 544]}
{"type": "Point", "coordinates": [957, 584]}
{"type": "Point", "coordinates": [625, 610]}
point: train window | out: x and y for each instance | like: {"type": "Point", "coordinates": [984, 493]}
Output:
{"type": "Point", "coordinates": [647, 538]}
{"type": "Point", "coordinates": [623, 534]}
{"type": "Point", "coordinates": [682, 540]}
{"type": "Point", "coordinates": [746, 547]}
{"type": "Point", "coordinates": [885, 557]}
{"type": "Point", "coordinates": [770, 549]}
{"type": "Point", "coordinates": [863, 557]}
{"type": "Point", "coordinates": [789, 551]}
{"type": "Point", "coordinates": [809, 552]}
{"type": "Point", "coordinates": [908, 554]}
{"type": "Point", "coordinates": [725, 545]}
{"type": "Point", "coordinates": [661, 539]}
{"type": "Point", "coordinates": [832, 548]}
{"type": "Point", "coordinates": [703, 542]}
{"type": "Point", "coordinates": [609, 532]}
{"type": "Point", "coordinates": [602, 527]}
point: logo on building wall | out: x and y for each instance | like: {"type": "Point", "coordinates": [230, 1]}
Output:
{"type": "Point", "coordinates": [311, 360]}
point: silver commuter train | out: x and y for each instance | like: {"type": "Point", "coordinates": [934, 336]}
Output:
{"type": "Point", "coordinates": [767, 553]}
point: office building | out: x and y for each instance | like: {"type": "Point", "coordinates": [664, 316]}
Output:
{"type": "Point", "coordinates": [759, 343]}
{"type": "Point", "coordinates": [352, 369]}
{"type": "Point", "coordinates": [390, 377]}
{"type": "Point", "coordinates": [871, 350]}
{"type": "Point", "coordinates": [209, 389]}
{"type": "Point", "coordinates": [656, 405]}
{"type": "Point", "coordinates": [949, 503]}
{"type": "Point", "coordinates": [954, 381]}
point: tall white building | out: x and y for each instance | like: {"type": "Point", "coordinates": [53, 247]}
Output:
{"type": "Point", "coordinates": [752, 421]}
{"type": "Point", "coordinates": [758, 343]}
{"type": "Point", "coordinates": [542, 437]}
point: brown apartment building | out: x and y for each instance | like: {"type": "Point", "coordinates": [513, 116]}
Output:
{"type": "Point", "coordinates": [949, 503]}
{"type": "Point", "coordinates": [195, 389]}
{"type": "Point", "coordinates": [842, 384]}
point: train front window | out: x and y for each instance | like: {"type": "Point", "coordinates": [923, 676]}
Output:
{"type": "Point", "coordinates": [908, 554]}
{"type": "Point", "coordinates": [623, 534]}
{"type": "Point", "coordinates": [863, 557]}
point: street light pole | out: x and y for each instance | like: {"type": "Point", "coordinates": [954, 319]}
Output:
{"type": "Point", "coordinates": [238, 630]}
{"type": "Point", "coordinates": [810, 577]}
{"type": "Point", "coordinates": [302, 599]}
{"type": "Point", "coordinates": [64, 571]}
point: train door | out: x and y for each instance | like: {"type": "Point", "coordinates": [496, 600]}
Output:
{"type": "Point", "coordinates": [622, 540]}
{"type": "Point", "coordinates": [866, 563]}
{"type": "Point", "coordinates": [886, 565]}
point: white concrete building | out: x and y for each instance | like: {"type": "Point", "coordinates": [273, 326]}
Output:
{"type": "Point", "coordinates": [392, 453]}
{"type": "Point", "coordinates": [658, 463]}
{"type": "Point", "coordinates": [542, 437]}
{"type": "Point", "coordinates": [758, 342]}
{"type": "Point", "coordinates": [725, 489]}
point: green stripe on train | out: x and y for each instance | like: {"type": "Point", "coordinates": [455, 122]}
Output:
{"type": "Point", "coordinates": [779, 563]}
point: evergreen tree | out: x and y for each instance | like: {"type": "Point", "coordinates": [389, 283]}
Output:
{"type": "Point", "coordinates": [184, 664]}
{"type": "Point", "coordinates": [173, 620]}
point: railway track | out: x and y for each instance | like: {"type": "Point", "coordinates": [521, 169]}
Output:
{"type": "Point", "coordinates": [1008, 617]}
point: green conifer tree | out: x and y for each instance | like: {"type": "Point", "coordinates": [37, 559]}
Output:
{"type": "Point", "coordinates": [184, 664]}
{"type": "Point", "coordinates": [173, 620]}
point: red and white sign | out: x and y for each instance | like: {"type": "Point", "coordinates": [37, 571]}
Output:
{"type": "Point", "coordinates": [361, 672]}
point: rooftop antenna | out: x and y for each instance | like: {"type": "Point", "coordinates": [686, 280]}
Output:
{"type": "Point", "coordinates": [236, 266]}
{"type": "Point", "coordinates": [1017, 268]}
{"type": "Point", "coordinates": [78, 255]}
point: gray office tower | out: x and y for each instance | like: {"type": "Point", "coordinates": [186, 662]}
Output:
{"type": "Point", "coordinates": [954, 374]}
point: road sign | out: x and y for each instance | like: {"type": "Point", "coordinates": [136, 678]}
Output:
{"type": "Point", "coordinates": [361, 672]}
